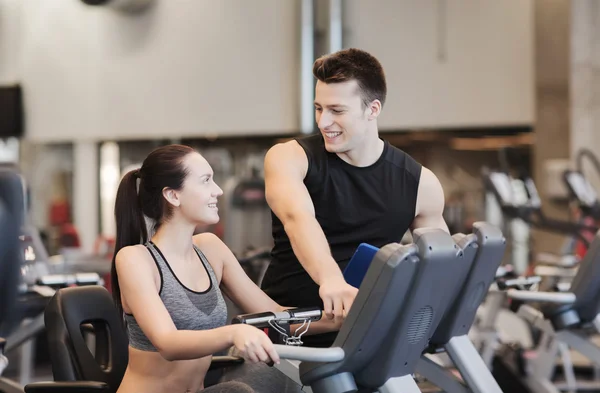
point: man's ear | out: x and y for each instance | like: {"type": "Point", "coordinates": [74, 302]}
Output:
{"type": "Point", "coordinates": [374, 109]}
{"type": "Point", "coordinates": [171, 196]}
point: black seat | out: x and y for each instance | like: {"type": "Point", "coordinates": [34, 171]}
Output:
{"type": "Point", "coordinates": [66, 317]}
{"type": "Point", "coordinates": [74, 311]}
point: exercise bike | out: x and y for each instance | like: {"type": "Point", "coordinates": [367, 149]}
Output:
{"type": "Point", "coordinates": [27, 283]}
{"type": "Point", "coordinates": [584, 197]}
{"type": "Point", "coordinates": [377, 348]}
{"type": "Point", "coordinates": [566, 322]}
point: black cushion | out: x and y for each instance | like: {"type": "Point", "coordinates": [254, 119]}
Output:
{"type": "Point", "coordinates": [69, 309]}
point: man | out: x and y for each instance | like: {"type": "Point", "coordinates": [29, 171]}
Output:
{"type": "Point", "coordinates": [331, 191]}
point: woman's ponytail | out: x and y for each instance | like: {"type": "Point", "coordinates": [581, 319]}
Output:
{"type": "Point", "coordinates": [131, 227]}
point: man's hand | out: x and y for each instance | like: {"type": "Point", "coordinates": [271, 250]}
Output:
{"type": "Point", "coordinates": [337, 296]}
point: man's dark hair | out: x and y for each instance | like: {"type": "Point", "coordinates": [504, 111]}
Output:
{"type": "Point", "coordinates": [353, 64]}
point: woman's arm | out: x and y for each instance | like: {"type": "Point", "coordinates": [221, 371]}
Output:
{"type": "Point", "coordinates": [235, 283]}
{"type": "Point", "coordinates": [138, 288]}
{"type": "Point", "coordinates": [242, 290]}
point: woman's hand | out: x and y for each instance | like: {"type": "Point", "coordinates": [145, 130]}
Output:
{"type": "Point", "coordinates": [254, 344]}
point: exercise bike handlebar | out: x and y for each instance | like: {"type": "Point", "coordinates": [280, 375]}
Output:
{"type": "Point", "coordinates": [517, 282]}
{"type": "Point", "coordinates": [503, 271]}
{"type": "Point", "coordinates": [545, 297]}
{"type": "Point", "coordinates": [507, 279]}
{"type": "Point", "coordinates": [563, 227]}
{"type": "Point", "coordinates": [536, 218]}
{"type": "Point", "coordinates": [289, 316]}
{"type": "Point", "coordinates": [53, 280]}
{"type": "Point", "coordinates": [565, 261]}
{"type": "Point", "coordinates": [308, 354]}
{"type": "Point", "coordinates": [554, 271]}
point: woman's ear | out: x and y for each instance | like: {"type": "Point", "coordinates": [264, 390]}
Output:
{"type": "Point", "coordinates": [171, 196]}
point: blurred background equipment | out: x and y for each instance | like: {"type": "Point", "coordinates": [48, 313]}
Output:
{"type": "Point", "coordinates": [37, 278]}
{"type": "Point", "coordinates": [247, 219]}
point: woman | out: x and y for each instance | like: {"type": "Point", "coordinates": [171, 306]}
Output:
{"type": "Point", "coordinates": [168, 283]}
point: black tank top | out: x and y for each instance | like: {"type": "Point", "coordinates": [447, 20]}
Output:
{"type": "Point", "coordinates": [353, 205]}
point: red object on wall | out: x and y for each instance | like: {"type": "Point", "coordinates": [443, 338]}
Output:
{"type": "Point", "coordinates": [59, 213]}
{"type": "Point", "coordinates": [69, 236]}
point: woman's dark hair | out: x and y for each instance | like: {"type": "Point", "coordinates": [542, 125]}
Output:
{"type": "Point", "coordinates": [162, 168]}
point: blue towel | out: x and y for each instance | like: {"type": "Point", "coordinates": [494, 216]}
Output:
{"type": "Point", "coordinates": [359, 264]}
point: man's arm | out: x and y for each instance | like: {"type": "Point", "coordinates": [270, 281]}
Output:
{"type": "Point", "coordinates": [285, 168]}
{"type": "Point", "coordinates": [430, 203]}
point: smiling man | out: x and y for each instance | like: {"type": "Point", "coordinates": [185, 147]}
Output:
{"type": "Point", "coordinates": [331, 191]}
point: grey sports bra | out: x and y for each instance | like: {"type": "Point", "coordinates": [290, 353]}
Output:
{"type": "Point", "coordinates": [190, 310]}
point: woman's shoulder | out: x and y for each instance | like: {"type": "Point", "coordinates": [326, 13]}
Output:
{"type": "Point", "coordinates": [213, 249]}
{"type": "Point", "coordinates": [136, 252]}
{"type": "Point", "coordinates": [208, 240]}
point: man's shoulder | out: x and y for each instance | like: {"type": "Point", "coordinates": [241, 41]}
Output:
{"type": "Point", "coordinates": [284, 151]}
{"type": "Point", "coordinates": [303, 152]}
{"type": "Point", "coordinates": [312, 143]}
{"type": "Point", "coordinates": [403, 161]}
{"type": "Point", "coordinates": [285, 159]}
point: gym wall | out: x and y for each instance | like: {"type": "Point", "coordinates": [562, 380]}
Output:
{"type": "Point", "coordinates": [10, 39]}
{"type": "Point", "coordinates": [456, 63]}
{"type": "Point", "coordinates": [198, 68]}
{"type": "Point", "coordinates": [182, 68]}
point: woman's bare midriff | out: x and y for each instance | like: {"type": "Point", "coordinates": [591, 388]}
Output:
{"type": "Point", "coordinates": [149, 372]}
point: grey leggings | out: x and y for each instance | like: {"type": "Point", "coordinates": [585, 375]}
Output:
{"type": "Point", "coordinates": [254, 378]}
{"type": "Point", "coordinates": [229, 387]}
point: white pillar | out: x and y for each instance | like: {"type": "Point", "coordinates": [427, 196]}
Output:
{"type": "Point", "coordinates": [10, 40]}
{"type": "Point", "coordinates": [110, 176]}
{"type": "Point", "coordinates": [584, 82]}
{"type": "Point", "coordinates": [307, 80]}
{"type": "Point", "coordinates": [336, 29]}
{"type": "Point", "coordinates": [85, 193]}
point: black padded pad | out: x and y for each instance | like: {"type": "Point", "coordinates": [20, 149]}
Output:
{"type": "Point", "coordinates": [69, 309]}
